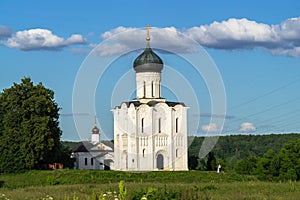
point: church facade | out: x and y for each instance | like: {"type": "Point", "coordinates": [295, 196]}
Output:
{"type": "Point", "coordinates": [94, 154]}
{"type": "Point", "coordinates": [150, 133]}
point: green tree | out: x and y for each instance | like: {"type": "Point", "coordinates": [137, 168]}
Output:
{"type": "Point", "coordinates": [211, 164]}
{"type": "Point", "coordinates": [208, 163]}
{"type": "Point", "coordinates": [290, 161]}
{"type": "Point", "coordinates": [29, 127]}
{"type": "Point", "coordinates": [202, 164]}
{"type": "Point", "coordinates": [268, 166]}
{"type": "Point", "coordinates": [246, 165]}
{"type": "Point", "coordinates": [193, 162]}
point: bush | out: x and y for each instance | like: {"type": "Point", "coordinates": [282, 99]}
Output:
{"type": "Point", "coordinates": [289, 175]}
{"type": "Point", "coordinates": [51, 180]}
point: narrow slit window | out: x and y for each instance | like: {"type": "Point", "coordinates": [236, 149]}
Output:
{"type": "Point", "coordinates": [85, 161]}
{"type": "Point", "coordinates": [143, 153]}
{"type": "Point", "coordinates": [176, 153]}
{"type": "Point", "coordinates": [92, 161]}
{"type": "Point", "coordinates": [176, 125]}
{"type": "Point", "coordinates": [142, 125]}
{"type": "Point", "coordinates": [159, 125]}
{"type": "Point", "coordinates": [144, 89]}
{"type": "Point", "coordinates": [159, 90]}
{"type": "Point", "coordinates": [152, 88]}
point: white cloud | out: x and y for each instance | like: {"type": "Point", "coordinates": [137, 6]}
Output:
{"type": "Point", "coordinates": [5, 32]}
{"type": "Point", "coordinates": [211, 127]}
{"type": "Point", "coordinates": [107, 49]}
{"type": "Point", "coordinates": [75, 39]}
{"type": "Point", "coordinates": [122, 39]}
{"type": "Point", "coordinates": [279, 39]}
{"type": "Point", "coordinates": [292, 52]}
{"type": "Point", "coordinates": [290, 29]}
{"type": "Point", "coordinates": [80, 50]}
{"type": "Point", "coordinates": [233, 34]}
{"type": "Point", "coordinates": [247, 127]}
{"type": "Point", "coordinates": [41, 39]}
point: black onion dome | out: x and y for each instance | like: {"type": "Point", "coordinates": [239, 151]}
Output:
{"type": "Point", "coordinates": [95, 130]}
{"type": "Point", "coordinates": [148, 61]}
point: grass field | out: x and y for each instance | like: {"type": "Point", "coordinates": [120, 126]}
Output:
{"type": "Point", "coordinates": [88, 184]}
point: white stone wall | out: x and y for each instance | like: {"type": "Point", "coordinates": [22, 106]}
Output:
{"type": "Point", "coordinates": [81, 164]}
{"type": "Point", "coordinates": [148, 85]}
{"type": "Point", "coordinates": [95, 138]}
{"type": "Point", "coordinates": [84, 160]}
{"type": "Point", "coordinates": [142, 134]}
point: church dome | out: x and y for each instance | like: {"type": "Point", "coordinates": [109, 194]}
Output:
{"type": "Point", "coordinates": [148, 61]}
{"type": "Point", "coordinates": [95, 130]}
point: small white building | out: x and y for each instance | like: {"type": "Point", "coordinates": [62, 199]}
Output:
{"type": "Point", "coordinates": [94, 154]}
{"type": "Point", "coordinates": [150, 133]}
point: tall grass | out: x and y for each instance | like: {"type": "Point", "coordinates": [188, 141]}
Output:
{"type": "Point", "coordinates": [71, 177]}
{"type": "Point", "coordinates": [92, 185]}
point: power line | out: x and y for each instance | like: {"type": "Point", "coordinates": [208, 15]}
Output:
{"type": "Point", "coordinates": [266, 94]}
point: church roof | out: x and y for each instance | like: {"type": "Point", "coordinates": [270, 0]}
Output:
{"type": "Point", "coordinates": [169, 103]}
{"type": "Point", "coordinates": [80, 148]}
{"type": "Point", "coordinates": [92, 147]}
{"type": "Point", "coordinates": [151, 103]}
{"type": "Point", "coordinates": [148, 61]}
{"type": "Point", "coordinates": [95, 130]}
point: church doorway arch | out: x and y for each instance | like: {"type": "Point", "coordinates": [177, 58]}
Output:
{"type": "Point", "coordinates": [160, 161]}
{"type": "Point", "coordinates": [107, 163]}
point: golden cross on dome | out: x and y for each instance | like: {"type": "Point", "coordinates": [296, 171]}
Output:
{"type": "Point", "coordinates": [95, 120]}
{"type": "Point", "coordinates": [148, 33]}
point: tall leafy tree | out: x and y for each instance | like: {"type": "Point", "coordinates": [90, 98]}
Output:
{"type": "Point", "coordinates": [211, 162]}
{"type": "Point", "coordinates": [246, 165]}
{"type": "Point", "coordinates": [193, 162]}
{"type": "Point", "coordinates": [268, 165]}
{"type": "Point", "coordinates": [29, 127]}
{"type": "Point", "coordinates": [290, 161]}
{"type": "Point", "coordinates": [282, 166]}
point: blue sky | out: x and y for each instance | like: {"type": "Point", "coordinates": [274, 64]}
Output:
{"type": "Point", "coordinates": [254, 44]}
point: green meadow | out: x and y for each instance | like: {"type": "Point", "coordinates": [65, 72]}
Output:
{"type": "Point", "coordinates": [93, 185]}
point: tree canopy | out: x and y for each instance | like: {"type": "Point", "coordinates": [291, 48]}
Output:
{"type": "Point", "coordinates": [272, 157]}
{"type": "Point", "coordinates": [29, 127]}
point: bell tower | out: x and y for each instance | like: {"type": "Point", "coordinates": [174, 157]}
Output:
{"type": "Point", "coordinates": [95, 132]}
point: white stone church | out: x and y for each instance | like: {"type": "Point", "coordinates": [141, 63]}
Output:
{"type": "Point", "coordinates": [150, 133]}
{"type": "Point", "coordinates": [94, 154]}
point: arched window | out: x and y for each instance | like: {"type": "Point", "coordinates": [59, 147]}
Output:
{"type": "Point", "coordinates": [176, 153]}
{"type": "Point", "coordinates": [144, 153]}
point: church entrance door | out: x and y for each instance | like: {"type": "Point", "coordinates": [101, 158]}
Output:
{"type": "Point", "coordinates": [107, 164]}
{"type": "Point", "coordinates": [160, 161]}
